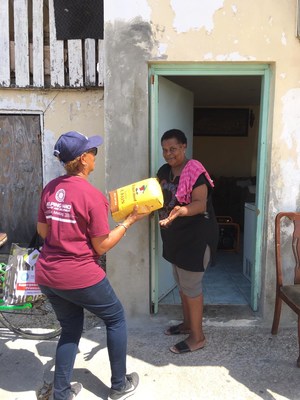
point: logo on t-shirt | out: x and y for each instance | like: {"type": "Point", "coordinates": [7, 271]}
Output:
{"type": "Point", "coordinates": [60, 195]}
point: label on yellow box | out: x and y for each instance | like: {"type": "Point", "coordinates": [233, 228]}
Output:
{"type": "Point", "coordinates": [146, 194]}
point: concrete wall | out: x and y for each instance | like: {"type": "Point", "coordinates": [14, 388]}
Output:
{"type": "Point", "coordinates": [60, 111]}
{"type": "Point", "coordinates": [127, 49]}
{"type": "Point", "coordinates": [202, 32]}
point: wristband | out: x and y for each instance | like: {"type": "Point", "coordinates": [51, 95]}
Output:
{"type": "Point", "coordinates": [124, 226]}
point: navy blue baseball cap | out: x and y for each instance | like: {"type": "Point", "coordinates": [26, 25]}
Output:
{"type": "Point", "coordinates": [72, 144]}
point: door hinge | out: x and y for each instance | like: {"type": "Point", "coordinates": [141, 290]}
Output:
{"type": "Point", "coordinates": [152, 308]}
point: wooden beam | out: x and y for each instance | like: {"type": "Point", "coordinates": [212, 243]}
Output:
{"type": "Point", "coordinates": [4, 44]}
{"type": "Point", "coordinates": [57, 68]}
{"type": "Point", "coordinates": [21, 43]}
{"type": "Point", "coordinates": [37, 43]}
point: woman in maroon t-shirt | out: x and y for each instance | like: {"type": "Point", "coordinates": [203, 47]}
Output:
{"type": "Point", "coordinates": [73, 221]}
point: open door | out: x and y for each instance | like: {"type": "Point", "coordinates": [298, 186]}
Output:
{"type": "Point", "coordinates": [158, 111]}
{"type": "Point", "coordinates": [174, 109]}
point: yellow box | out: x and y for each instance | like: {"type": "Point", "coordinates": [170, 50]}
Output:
{"type": "Point", "coordinates": [146, 194]}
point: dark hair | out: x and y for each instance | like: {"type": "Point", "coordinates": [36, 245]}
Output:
{"type": "Point", "coordinates": [176, 134]}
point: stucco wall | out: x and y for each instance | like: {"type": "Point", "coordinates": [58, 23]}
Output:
{"type": "Point", "coordinates": [60, 111]}
{"type": "Point", "coordinates": [202, 32]}
{"type": "Point", "coordinates": [126, 124]}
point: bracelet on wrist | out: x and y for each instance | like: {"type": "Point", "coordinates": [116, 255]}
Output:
{"type": "Point", "coordinates": [124, 226]}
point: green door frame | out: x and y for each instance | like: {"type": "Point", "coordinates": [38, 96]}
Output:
{"type": "Point", "coordinates": [263, 70]}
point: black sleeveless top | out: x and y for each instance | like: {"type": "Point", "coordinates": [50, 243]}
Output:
{"type": "Point", "coordinates": [185, 240]}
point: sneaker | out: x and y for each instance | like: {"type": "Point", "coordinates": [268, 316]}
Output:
{"type": "Point", "coordinates": [45, 392]}
{"type": "Point", "coordinates": [75, 389]}
{"type": "Point", "coordinates": [132, 381]}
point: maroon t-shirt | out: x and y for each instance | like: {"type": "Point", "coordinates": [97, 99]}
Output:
{"type": "Point", "coordinates": [76, 212]}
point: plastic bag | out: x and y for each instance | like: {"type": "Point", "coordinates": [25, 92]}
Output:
{"type": "Point", "coordinates": [19, 285]}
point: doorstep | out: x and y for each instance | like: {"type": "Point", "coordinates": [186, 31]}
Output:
{"type": "Point", "coordinates": [226, 315]}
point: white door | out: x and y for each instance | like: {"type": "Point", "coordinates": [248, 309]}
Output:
{"type": "Point", "coordinates": [174, 110]}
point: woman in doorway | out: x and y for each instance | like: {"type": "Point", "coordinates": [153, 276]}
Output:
{"type": "Point", "coordinates": [189, 232]}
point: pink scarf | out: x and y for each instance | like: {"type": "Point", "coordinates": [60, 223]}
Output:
{"type": "Point", "coordinates": [190, 173]}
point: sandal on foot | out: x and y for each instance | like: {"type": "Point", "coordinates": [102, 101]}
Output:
{"type": "Point", "coordinates": [182, 347]}
{"type": "Point", "coordinates": [175, 330]}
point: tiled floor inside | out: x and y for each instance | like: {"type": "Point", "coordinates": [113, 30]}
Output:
{"type": "Point", "coordinates": [224, 283]}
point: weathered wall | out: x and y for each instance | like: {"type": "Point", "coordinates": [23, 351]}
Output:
{"type": "Point", "coordinates": [60, 112]}
{"type": "Point", "coordinates": [128, 47]}
{"type": "Point", "coordinates": [197, 31]}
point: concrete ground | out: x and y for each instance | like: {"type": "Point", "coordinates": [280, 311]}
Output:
{"type": "Point", "coordinates": [241, 361]}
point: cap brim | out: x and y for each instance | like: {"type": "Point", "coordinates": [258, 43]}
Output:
{"type": "Point", "coordinates": [95, 141]}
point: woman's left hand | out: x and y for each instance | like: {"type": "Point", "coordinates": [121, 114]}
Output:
{"type": "Point", "coordinates": [176, 212]}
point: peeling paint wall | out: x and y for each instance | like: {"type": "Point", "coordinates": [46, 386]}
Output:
{"type": "Point", "coordinates": [197, 31]}
{"type": "Point", "coordinates": [187, 15]}
{"type": "Point", "coordinates": [60, 112]}
{"type": "Point", "coordinates": [288, 168]}
{"type": "Point", "coordinates": [128, 47]}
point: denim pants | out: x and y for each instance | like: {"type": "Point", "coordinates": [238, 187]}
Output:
{"type": "Point", "coordinates": [69, 305]}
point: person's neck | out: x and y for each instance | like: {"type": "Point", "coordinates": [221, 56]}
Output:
{"type": "Point", "coordinates": [80, 175]}
{"type": "Point", "coordinates": [176, 171]}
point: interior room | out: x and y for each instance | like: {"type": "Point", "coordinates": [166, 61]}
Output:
{"type": "Point", "coordinates": [225, 141]}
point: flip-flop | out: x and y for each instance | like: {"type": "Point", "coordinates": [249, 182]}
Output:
{"type": "Point", "coordinates": [175, 330]}
{"type": "Point", "coordinates": [182, 347]}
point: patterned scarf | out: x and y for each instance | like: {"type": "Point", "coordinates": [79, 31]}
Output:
{"type": "Point", "coordinates": [190, 173]}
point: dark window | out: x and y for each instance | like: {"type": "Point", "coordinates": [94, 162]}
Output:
{"type": "Point", "coordinates": [78, 19]}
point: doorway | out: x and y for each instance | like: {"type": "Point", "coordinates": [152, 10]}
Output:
{"type": "Point", "coordinates": [234, 158]}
